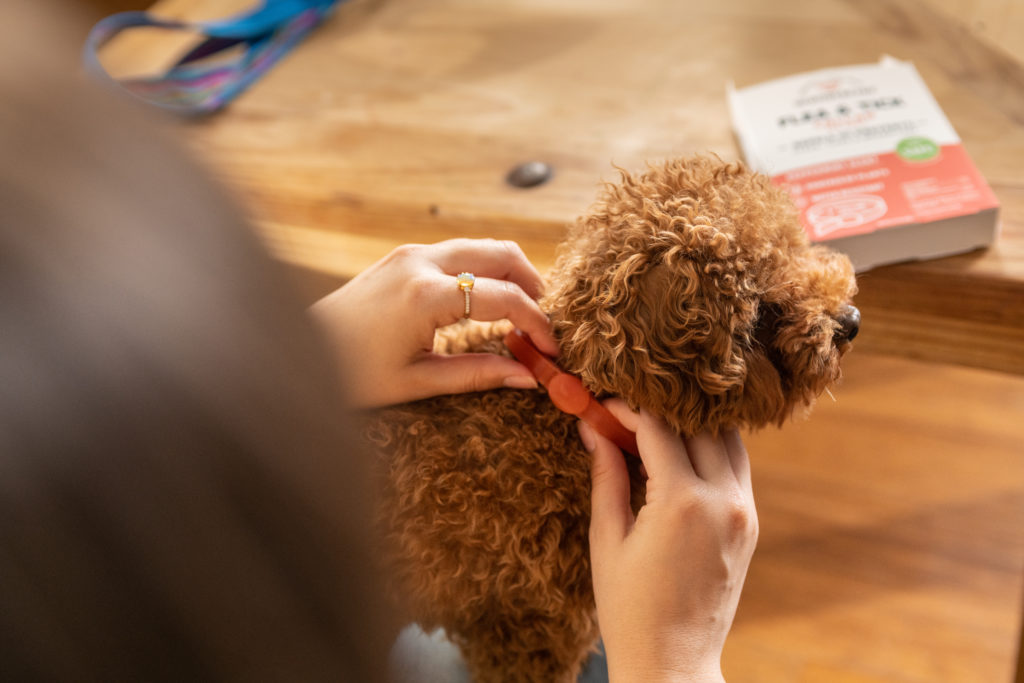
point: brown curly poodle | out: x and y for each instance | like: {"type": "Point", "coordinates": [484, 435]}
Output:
{"type": "Point", "coordinates": [689, 290]}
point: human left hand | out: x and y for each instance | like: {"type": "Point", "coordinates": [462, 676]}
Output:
{"type": "Point", "coordinates": [385, 319]}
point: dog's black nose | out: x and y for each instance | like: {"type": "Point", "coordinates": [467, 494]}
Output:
{"type": "Point", "coordinates": [849, 324]}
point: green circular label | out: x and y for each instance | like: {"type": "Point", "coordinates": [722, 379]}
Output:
{"type": "Point", "coordinates": [917, 149]}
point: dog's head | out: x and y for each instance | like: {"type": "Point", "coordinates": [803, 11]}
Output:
{"type": "Point", "coordinates": [692, 291]}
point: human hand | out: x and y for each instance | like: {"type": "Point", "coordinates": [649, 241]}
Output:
{"type": "Point", "coordinates": [388, 314]}
{"type": "Point", "coordinates": [668, 581]}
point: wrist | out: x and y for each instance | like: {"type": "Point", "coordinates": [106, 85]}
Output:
{"type": "Point", "coordinates": [680, 670]}
{"type": "Point", "coordinates": [638, 676]}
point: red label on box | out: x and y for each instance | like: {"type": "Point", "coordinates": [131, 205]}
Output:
{"type": "Point", "coordinates": [920, 183]}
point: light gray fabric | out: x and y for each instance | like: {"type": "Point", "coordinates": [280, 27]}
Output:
{"type": "Point", "coordinates": [419, 657]}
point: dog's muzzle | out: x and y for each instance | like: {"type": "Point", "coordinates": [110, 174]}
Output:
{"type": "Point", "coordinates": [849, 324]}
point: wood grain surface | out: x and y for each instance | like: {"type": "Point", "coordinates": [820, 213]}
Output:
{"type": "Point", "coordinates": [397, 121]}
{"type": "Point", "coordinates": [891, 532]}
{"type": "Point", "coordinates": [997, 22]}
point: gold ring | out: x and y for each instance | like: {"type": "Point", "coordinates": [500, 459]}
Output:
{"type": "Point", "coordinates": [465, 281]}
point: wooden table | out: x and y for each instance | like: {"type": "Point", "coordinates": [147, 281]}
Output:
{"type": "Point", "coordinates": [398, 120]}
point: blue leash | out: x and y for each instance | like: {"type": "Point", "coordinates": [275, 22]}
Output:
{"type": "Point", "coordinates": [234, 53]}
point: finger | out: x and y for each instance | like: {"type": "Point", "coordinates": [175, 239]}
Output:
{"type": "Point", "coordinates": [445, 303]}
{"type": "Point", "coordinates": [493, 299]}
{"type": "Point", "coordinates": [738, 457]}
{"type": "Point", "coordinates": [662, 451]}
{"type": "Point", "coordinates": [709, 457]}
{"type": "Point", "coordinates": [617, 407]}
{"type": "Point", "coordinates": [610, 514]}
{"type": "Point", "coordinates": [436, 375]}
{"type": "Point", "coordinates": [501, 260]}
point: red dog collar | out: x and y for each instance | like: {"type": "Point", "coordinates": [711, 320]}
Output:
{"type": "Point", "coordinates": [568, 393]}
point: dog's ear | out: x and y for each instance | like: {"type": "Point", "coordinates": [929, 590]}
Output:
{"type": "Point", "coordinates": [670, 336]}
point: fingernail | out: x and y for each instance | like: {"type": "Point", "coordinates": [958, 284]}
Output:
{"type": "Point", "coordinates": [587, 436]}
{"type": "Point", "coordinates": [520, 382]}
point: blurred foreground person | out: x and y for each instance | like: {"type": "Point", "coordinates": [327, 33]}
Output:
{"type": "Point", "coordinates": [181, 495]}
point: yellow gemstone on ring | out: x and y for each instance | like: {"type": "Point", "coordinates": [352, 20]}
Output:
{"type": "Point", "coordinates": [465, 282]}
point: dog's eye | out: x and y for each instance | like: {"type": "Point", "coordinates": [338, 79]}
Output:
{"type": "Point", "coordinates": [849, 324]}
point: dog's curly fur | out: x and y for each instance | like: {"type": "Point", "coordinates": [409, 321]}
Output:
{"type": "Point", "coordinates": [689, 290]}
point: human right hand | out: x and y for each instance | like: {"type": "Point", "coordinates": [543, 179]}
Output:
{"type": "Point", "coordinates": [667, 581]}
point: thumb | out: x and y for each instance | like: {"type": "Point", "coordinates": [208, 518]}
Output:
{"type": "Point", "coordinates": [437, 374]}
{"type": "Point", "coordinates": [610, 514]}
